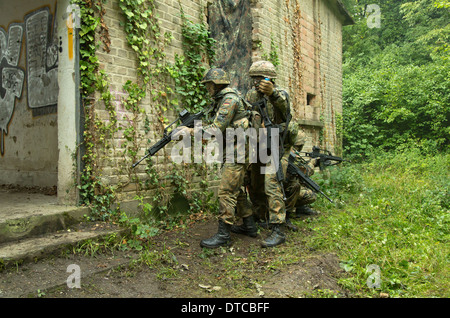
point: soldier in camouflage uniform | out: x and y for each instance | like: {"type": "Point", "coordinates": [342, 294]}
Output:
{"type": "Point", "coordinates": [265, 191]}
{"type": "Point", "coordinates": [228, 112]}
{"type": "Point", "coordinates": [299, 196]}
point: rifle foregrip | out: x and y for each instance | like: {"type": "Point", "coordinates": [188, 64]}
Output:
{"type": "Point", "coordinates": [159, 145]}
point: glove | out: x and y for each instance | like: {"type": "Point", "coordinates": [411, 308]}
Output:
{"type": "Point", "coordinates": [182, 131]}
{"type": "Point", "coordinates": [266, 87]}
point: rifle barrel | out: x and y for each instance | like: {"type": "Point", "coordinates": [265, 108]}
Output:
{"type": "Point", "coordinates": [326, 196]}
{"type": "Point", "coordinates": [186, 119]}
{"type": "Point", "coordinates": [138, 162]}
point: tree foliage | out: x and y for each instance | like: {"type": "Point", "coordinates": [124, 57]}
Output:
{"type": "Point", "coordinates": [396, 88]}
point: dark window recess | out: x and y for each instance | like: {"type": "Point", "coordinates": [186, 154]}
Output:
{"type": "Point", "coordinates": [310, 98]}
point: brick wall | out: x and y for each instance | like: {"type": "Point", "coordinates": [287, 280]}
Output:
{"type": "Point", "coordinates": [331, 70]}
{"type": "Point", "coordinates": [307, 34]}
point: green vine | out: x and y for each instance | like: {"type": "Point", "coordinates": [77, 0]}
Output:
{"type": "Point", "coordinates": [272, 56]}
{"type": "Point", "coordinates": [144, 35]}
{"type": "Point", "coordinates": [187, 73]}
{"type": "Point", "coordinates": [189, 69]}
{"type": "Point", "coordinates": [169, 87]}
{"type": "Point", "coordinates": [94, 81]}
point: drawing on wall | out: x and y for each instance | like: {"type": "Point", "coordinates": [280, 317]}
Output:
{"type": "Point", "coordinates": [41, 71]}
{"type": "Point", "coordinates": [11, 76]}
{"type": "Point", "coordinates": [42, 61]}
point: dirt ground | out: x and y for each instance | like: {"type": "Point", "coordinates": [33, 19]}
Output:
{"type": "Point", "coordinates": [175, 266]}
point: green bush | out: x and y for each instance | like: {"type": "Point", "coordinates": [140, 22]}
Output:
{"type": "Point", "coordinates": [391, 106]}
{"type": "Point", "coordinates": [395, 86]}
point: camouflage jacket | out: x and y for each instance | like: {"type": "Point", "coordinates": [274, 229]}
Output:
{"type": "Point", "coordinates": [277, 110]}
{"type": "Point", "coordinates": [277, 104]}
{"type": "Point", "coordinates": [228, 112]}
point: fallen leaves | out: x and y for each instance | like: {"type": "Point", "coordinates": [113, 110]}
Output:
{"type": "Point", "coordinates": [210, 288]}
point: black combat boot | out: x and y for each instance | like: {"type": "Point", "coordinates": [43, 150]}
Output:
{"type": "Point", "coordinates": [275, 238]}
{"type": "Point", "coordinates": [290, 225]}
{"type": "Point", "coordinates": [221, 238]}
{"type": "Point", "coordinates": [304, 210]}
{"type": "Point", "coordinates": [263, 224]}
{"type": "Point", "coordinates": [248, 227]}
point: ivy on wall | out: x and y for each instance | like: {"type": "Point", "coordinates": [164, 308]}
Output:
{"type": "Point", "coordinates": [168, 86]}
{"type": "Point", "coordinates": [272, 55]}
{"type": "Point", "coordinates": [94, 84]}
{"type": "Point", "coordinates": [188, 69]}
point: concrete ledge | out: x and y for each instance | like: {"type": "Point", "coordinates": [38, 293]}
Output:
{"type": "Point", "coordinates": [21, 226]}
{"type": "Point", "coordinates": [40, 247]}
{"type": "Point", "coordinates": [313, 123]}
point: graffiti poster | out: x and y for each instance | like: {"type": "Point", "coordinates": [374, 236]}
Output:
{"type": "Point", "coordinates": [41, 71]}
{"type": "Point", "coordinates": [42, 61]}
{"type": "Point", "coordinates": [11, 76]}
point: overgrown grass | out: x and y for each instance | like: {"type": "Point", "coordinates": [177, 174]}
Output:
{"type": "Point", "coordinates": [391, 219]}
{"type": "Point", "coordinates": [390, 228]}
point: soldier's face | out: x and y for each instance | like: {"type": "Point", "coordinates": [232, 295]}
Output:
{"type": "Point", "coordinates": [256, 80]}
{"type": "Point", "coordinates": [298, 147]}
{"type": "Point", "coordinates": [211, 88]}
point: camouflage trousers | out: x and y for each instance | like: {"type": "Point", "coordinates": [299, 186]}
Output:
{"type": "Point", "coordinates": [232, 194]}
{"type": "Point", "coordinates": [297, 195]}
{"type": "Point", "coordinates": [266, 194]}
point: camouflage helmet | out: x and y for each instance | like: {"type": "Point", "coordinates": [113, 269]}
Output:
{"type": "Point", "coordinates": [263, 68]}
{"type": "Point", "coordinates": [217, 76]}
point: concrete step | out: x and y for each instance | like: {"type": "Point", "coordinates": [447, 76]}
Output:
{"type": "Point", "coordinates": [33, 225]}
{"type": "Point", "coordinates": [25, 213]}
{"type": "Point", "coordinates": [35, 248]}
{"type": "Point", "coordinates": [34, 222]}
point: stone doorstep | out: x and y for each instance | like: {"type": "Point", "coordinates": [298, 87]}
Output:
{"type": "Point", "coordinates": [32, 249]}
{"type": "Point", "coordinates": [33, 224]}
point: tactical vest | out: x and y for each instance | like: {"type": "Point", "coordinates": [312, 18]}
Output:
{"type": "Point", "coordinates": [242, 116]}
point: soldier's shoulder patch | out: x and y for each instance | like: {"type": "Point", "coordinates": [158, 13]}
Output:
{"type": "Point", "coordinates": [227, 101]}
{"type": "Point", "coordinates": [223, 112]}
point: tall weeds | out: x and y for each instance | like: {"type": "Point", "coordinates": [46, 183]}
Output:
{"type": "Point", "coordinates": [392, 214]}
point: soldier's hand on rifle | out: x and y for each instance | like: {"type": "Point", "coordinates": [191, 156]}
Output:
{"type": "Point", "coordinates": [265, 87]}
{"type": "Point", "coordinates": [185, 131]}
{"type": "Point", "coordinates": [316, 162]}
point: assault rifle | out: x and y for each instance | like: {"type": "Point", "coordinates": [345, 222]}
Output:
{"type": "Point", "coordinates": [294, 170]}
{"type": "Point", "coordinates": [261, 106]}
{"type": "Point", "coordinates": [187, 119]}
{"type": "Point", "coordinates": [325, 157]}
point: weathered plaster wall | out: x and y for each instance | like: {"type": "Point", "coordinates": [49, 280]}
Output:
{"type": "Point", "coordinates": [28, 93]}
{"type": "Point", "coordinates": [309, 41]}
